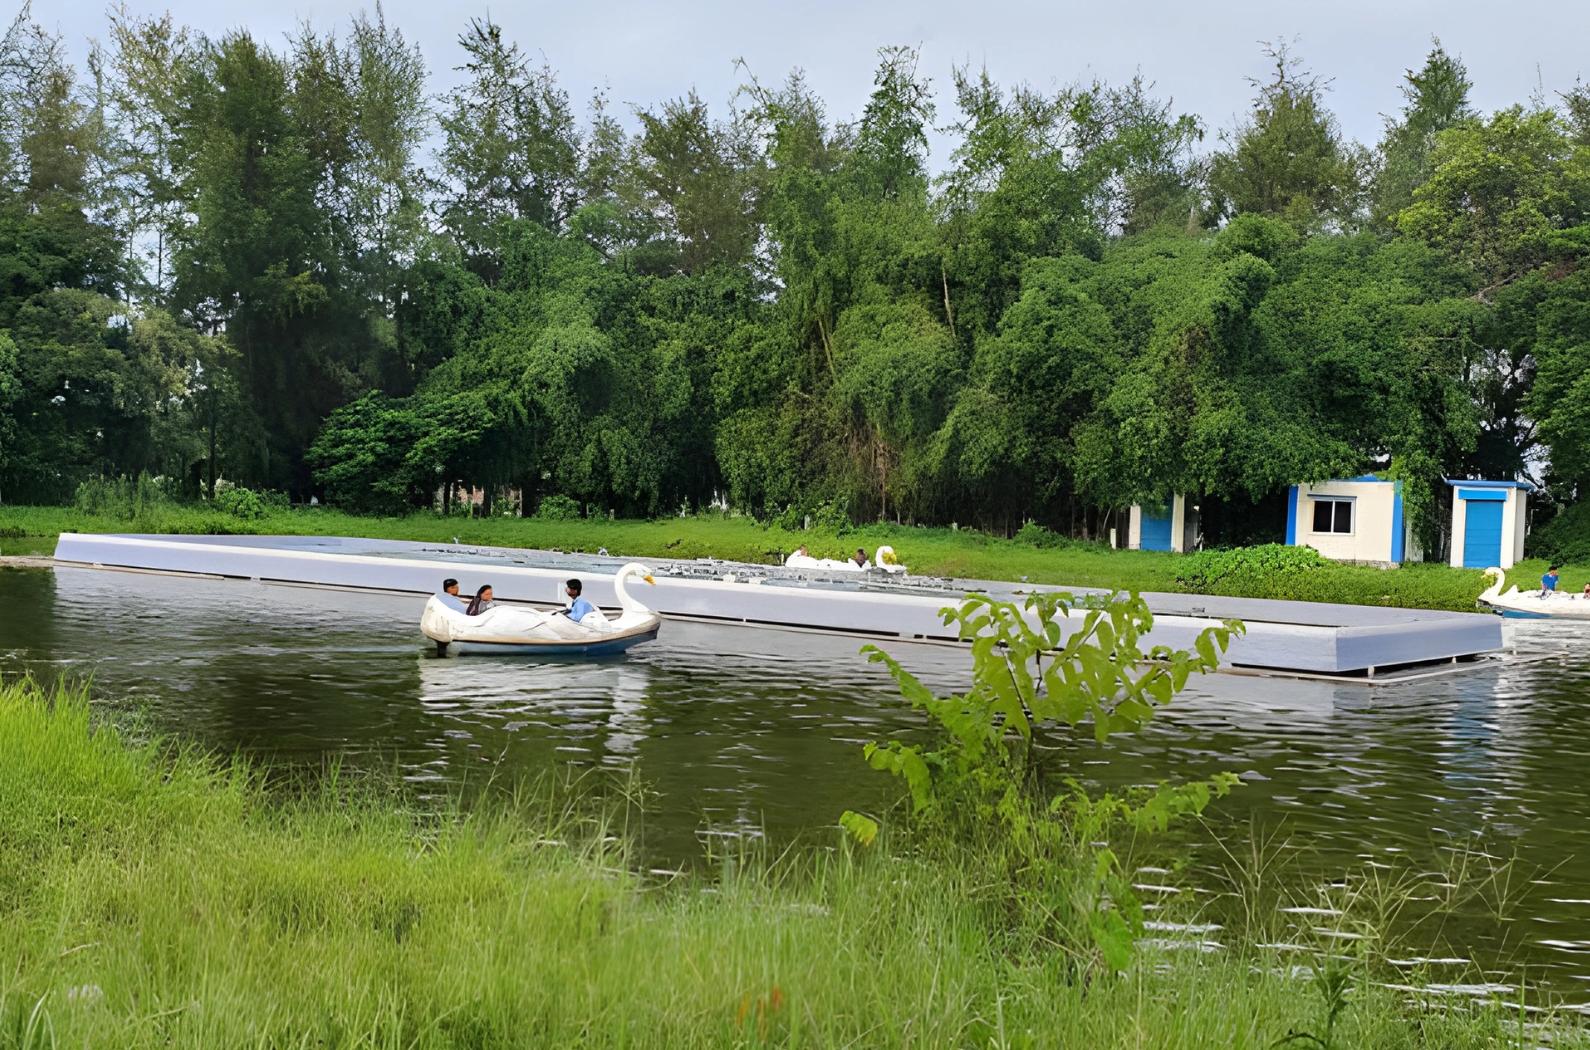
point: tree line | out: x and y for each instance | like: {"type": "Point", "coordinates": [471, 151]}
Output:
{"type": "Point", "coordinates": [296, 268]}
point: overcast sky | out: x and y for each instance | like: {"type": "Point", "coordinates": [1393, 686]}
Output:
{"type": "Point", "coordinates": [1199, 53]}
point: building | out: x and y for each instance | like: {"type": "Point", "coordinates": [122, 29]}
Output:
{"type": "Point", "coordinates": [1359, 521]}
{"type": "Point", "coordinates": [1169, 527]}
{"type": "Point", "coordinates": [1488, 523]}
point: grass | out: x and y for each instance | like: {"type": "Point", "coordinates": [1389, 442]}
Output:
{"type": "Point", "coordinates": [932, 552]}
{"type": "Point", "coordinates": [154, 896]}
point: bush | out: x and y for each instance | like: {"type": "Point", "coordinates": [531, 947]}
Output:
{"type": "Point", "coordinates": [1035, 535]}
{"type": "Point", "coordinates": [833, 516]}
{"type": "Point", "coordinates": [1564, 539]}
{"type": "Point", "coordinates": [1205, 569]}
{"type": "Point", "coordinates": [123, 498]}
{"type": "Point", "coordinates": [558, 507]}
{"type": "Point", "coordinates": [242, 503]}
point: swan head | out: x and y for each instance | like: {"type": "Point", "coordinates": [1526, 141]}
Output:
{"type": "Point", "coordinates": [633, 568]}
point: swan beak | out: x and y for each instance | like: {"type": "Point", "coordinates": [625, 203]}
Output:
{"type": "Point", "coordinates": [649, 580]}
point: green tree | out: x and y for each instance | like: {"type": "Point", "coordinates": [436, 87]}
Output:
{"type": "Point", "coordinates": [510, 150]}
{"type": "Point", "coordinates": [1435, 98]}
{"type": "Point", "coordinates": [1288, 160]}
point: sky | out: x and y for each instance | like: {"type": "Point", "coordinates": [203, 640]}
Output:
{"type": "Point", "coordinates": [1200, 54]}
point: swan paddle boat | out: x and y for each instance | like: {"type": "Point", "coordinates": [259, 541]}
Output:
{"type": "Point", "coordinates": [1536, 604]}
{"type": "Point", "coordinates": [518, 631]}
{"type": "Point", "coordinates": [883, 559]}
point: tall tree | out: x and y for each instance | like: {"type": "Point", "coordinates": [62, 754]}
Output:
{"type": "Point", "coordinates": [511, 149]}
{"type": "Point", "coordinates": [1435, 98]}
{"type": "Point", "coordinates": [1288, 160]}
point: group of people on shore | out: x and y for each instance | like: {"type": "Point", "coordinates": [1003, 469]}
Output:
{"type": "Point", "coordinates": [484, 599]}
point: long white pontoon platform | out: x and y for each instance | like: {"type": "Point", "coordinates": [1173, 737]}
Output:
{"type": "Point", "coordinates": [1282, 636]}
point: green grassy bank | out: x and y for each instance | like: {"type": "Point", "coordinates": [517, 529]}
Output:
{"type": "Point", "coordinates": [152, 896]}
{"type": "Point", "coordinates": [935, 552]}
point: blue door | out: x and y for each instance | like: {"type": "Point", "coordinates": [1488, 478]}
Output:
{"type": "Point", "coordinates": [1154, 533]}
{"type": "Point", "coordinates": [1482, 533]}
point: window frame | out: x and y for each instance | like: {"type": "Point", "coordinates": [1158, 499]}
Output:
{"type": "Point", "coordinates": [1352, 515]}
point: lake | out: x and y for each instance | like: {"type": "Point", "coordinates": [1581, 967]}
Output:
{"type": "Point", "coordinates": [747, 732]}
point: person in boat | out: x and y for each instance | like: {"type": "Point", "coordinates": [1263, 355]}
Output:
{"type": "Point", "coordinates": [1548, 582]}
{"type": "Point", "coordinates": [578, 606]}
{"type": "Point", "coordinates": [481, 601]}
{"type": "Point", "coordinates": [449, 596]}
{"type": "Point", "coordinates": [861, 559]}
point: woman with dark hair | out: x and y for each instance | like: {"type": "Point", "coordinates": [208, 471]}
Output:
{"type": "Point", "coordinates": [480, 602]}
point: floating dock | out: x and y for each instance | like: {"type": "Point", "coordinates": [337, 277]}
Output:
{"type": "Point", "coordinates": [1349, 641]}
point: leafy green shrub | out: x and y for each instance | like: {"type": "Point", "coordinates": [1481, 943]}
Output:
{"type": "Point", "coordinates": [1564, 539]}
{"type": "Point", "coordinates": [1206, 569]}
{"type": "Point", "coordinates": [123, 498]}
{"type": "Point", "coordinates": [981, 783]}
{"type": "Point", "coordinates": [833, 516]}
{"type": "Point", "coordinates": [242, 503]}
{"type": "Point", "coordinates": [558, 507]}
{"type": "Point", "coordinates": [1035, 535]}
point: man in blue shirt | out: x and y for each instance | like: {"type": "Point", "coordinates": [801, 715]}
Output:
{"type": "Point", "coordinates": [449, 595]}
{"type": "Point", "coordinates": [580, 606]}
{"type": "Point", "coordinates": [1548, 582]}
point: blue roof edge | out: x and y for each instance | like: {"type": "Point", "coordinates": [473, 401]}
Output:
{"type": "Point", "coordinates": [1526, 485]}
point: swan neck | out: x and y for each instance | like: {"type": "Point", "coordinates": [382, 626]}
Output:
{"type": "Point", "coordinates": [625, 602]}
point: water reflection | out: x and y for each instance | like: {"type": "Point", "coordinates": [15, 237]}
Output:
{"type": "Point", "coordinates": [738, 730]}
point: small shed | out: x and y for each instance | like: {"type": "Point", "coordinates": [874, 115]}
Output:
{"type": "Point", "coordinates": [1166, 527]}
{"type": "Point", "coordinates": [1357, 520]}
{"type": "Point", "coordinates": [1488, 523]}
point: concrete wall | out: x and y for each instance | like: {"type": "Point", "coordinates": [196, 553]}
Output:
{"type": "Point", "coordinates": [1380, 534]}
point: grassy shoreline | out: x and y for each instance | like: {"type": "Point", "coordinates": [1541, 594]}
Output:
{"type": "Point", "coordinates": [932, 552]}
{"type": "Point", "coordinates": [153, 896]}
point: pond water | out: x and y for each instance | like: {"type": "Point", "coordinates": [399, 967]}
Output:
{"type": "Point", "coordinates": [742, 731]}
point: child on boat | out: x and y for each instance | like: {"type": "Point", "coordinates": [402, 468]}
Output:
{"type": "Point", "coordinates": [578, 606]}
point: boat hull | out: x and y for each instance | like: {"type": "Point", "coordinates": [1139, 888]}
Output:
{"type": "Point", "coordinates": [610, 645]}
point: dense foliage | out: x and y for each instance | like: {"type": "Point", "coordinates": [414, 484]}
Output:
{"type": "Point", "coordinates": [220, 260]}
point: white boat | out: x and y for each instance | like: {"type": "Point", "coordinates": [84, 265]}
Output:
{"type": "Point", "coordinates": [1535, 604]}
{"type": "Point", "coordinates": [883, 559]}
{"type": "Point", "coordinates": [515, 630]}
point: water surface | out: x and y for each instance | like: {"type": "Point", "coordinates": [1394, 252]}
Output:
{"type": "Point", "coordinates": [746, 731]}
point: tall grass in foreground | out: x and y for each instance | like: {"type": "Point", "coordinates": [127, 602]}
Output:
{"type": "Point", "coordinates": [152, 896]}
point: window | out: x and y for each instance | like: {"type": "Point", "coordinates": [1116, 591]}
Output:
{"type": "Point", "coordinates": [1333, 515]}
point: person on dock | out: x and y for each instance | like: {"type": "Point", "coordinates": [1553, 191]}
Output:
{"type": "Point", "coordinates": [578, 606]}
{"type": "Point", "coordinates": [449, 595]}
{"type": "Point", "coordinates": [481, 601]}
{"type": "Point", "coordinates": [1548, 582]}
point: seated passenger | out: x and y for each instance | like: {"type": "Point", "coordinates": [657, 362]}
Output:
{"type": "Point", "coordinates": [861, 559]}
{"type": "Point", "coordinates": [481, 601]}
{"type": "Point", "coordinates": [578, 606]}
{"type": "Point", "coordinates": [1548, 582]}
{"type": "Point", "coordinates": [449, 596]}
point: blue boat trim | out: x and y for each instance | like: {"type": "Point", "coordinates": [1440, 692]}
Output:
{"type": "Point", "coordinates": [603, 647]}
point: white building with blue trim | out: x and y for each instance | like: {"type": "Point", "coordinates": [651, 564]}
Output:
{"type": "Point", "coordinates": [1488, 523]}
{"type": "Point", "coordinates": [1357, 520]}
{"type": "Point", "coordinates": [1162, 528]}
